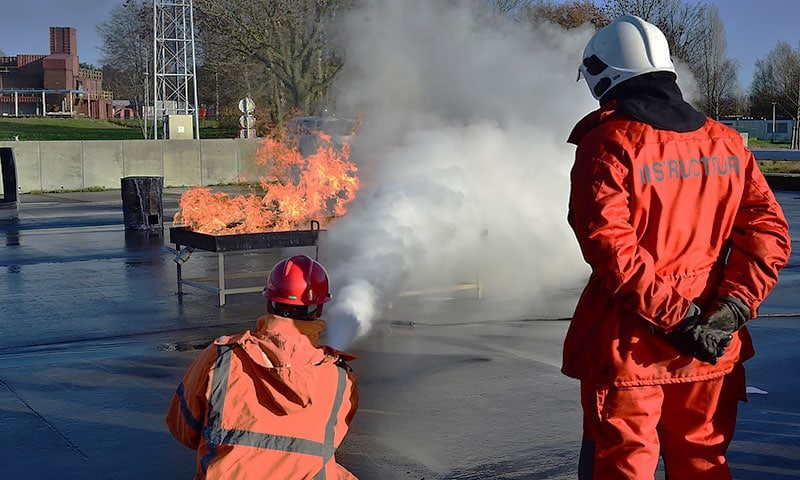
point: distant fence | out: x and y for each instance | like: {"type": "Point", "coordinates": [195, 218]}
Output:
{"type": "Point", "coordinates": [77, 165]}
{"type": "Point", "coordinates": [777, 154]}
{"type": "Point", "coordinates": [762, 128]}
{"type": "Point", "coordinates": [780, 181]}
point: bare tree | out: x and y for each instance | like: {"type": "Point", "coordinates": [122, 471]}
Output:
{"type": "Point", "coordinates": [290, 41]}
{"type": "Point", "coordinates": [128, 50]}
{"type": "Point", "coordinates": [682, 23]}
{"type": "Point", "coordinates": [508, 8]}
{"type": "Point", "coordinates": [777, 79]}
{"type": "Point", "coordinates": [568, 15]}
{"type": "Point", "coordinates": [226, 77]}
{"type": "Point", "coordinates": [716, 74]}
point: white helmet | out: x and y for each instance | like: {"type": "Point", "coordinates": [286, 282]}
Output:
{"type": "Point", "coordinates": [624, 49]}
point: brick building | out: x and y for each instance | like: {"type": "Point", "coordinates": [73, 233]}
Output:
{"type": "Point", "coordinates": [53, 84]}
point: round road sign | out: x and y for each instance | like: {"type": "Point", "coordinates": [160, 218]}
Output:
{"type": "Point", "coordinates": [246, 105]}
{"type": "Point", "coordinates": [247, 121]}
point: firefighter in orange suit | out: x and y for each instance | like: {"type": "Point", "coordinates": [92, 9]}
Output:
{"type": "Point", "coordinates": [685, 240]}
{"type": "Point", "coordinates": [274, 403]}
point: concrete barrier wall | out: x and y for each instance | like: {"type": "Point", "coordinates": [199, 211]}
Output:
{"type": "Point", "coordinates": [102, 162]}
{"type": "Point", "coordinates": [181, 162]}
{"type": "Point", "coordinates": [77, 165]}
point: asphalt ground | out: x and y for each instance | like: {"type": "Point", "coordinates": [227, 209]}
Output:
{"type": "Point", "coordinates": [94, 339]}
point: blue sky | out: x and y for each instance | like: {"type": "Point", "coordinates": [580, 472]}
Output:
{"type": "Point", "coordinates": [28, 30]}
{"type": "Point", "coordinates": [752, 28]}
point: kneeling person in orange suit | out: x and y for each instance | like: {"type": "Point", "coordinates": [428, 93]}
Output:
{"type": "Point", "coordinates": [274, 403]}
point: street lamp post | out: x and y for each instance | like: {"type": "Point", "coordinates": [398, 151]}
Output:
{"type": "Point", "coordinates": [146, 100]}
{"type": "Point", "coordinates": [773, 122]}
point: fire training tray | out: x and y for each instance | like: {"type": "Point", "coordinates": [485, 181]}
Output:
{"type": "Point", "coordinates": [244, 241]}
{"type": "Point", "coordinates": [240, 242]}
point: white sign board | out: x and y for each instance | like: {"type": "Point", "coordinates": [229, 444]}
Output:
{"type": "Point", "coordinates": [247, 121]}
{"type": "Point", "coordinates": [246, 105]}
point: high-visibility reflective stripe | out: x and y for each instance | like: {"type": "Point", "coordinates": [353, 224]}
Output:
{"type": "Point", "coordinates": [216, 435]}
{"type": "Point", "coordinates": [193, 423]}
{"type": "Point", "coordinates": [216, 403]}
{"type": "Point", "coordinates": [330, 428]}
{"type": "Point", "coordinates": [271, 441]}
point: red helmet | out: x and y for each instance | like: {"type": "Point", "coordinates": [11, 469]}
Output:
{"type": "Point", "coordinates": [298, 280]}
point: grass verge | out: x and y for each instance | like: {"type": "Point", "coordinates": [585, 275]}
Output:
{"type": "Point", "coordinates": [51, 128]}
{"type": "Point", "coordinates": [779, 166]}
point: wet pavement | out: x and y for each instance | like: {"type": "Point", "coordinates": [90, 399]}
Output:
{"type": "Point", "coordinates": [94, 340]}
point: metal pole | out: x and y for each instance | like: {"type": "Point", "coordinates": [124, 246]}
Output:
{"type": "Point", "coordinates": [795, 139]}
{"type": "Point", "coordinates": [194, 74]}
{"type": "Point", "coordinates": [183, 82]}
{"type": "Point", "coordinates": [773, 122]}
{"type": "Point", "coordinates": [155, 74]}
{"type": "Point", "coordinates": [144, 107]}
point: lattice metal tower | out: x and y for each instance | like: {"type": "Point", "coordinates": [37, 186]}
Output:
{"type": "Point", "coordinates": [174, 65]}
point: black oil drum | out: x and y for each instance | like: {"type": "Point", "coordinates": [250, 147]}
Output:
{"type": "Point", "coordinates": [142, 207]}
{"type": "Point", "coordinates": [9, 202]}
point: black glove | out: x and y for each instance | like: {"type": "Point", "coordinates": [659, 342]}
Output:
{"type": "Point", "coordinates": [691, 339]}
{"type": "Point", "coordinates": [707, 340]}
{"type": "Point", "coordinates": [731, 315]}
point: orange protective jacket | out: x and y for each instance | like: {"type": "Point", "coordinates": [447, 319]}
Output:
{"type": "Point", "coordinates": [664, 218]}
{"type": "Point", "coordinates": [272, 404]}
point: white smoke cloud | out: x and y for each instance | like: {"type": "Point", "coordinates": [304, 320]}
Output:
{"type": "Point", "coordinates": [463, 158]}
{"type": "Point", "coordinates": [686, 81]}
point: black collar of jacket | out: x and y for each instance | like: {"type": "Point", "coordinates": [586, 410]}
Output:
{"type": "Point", "coordinates": [655, 99]}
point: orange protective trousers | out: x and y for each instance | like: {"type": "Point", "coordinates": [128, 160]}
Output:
{"type": "Point", "coordinates": [690, 425]}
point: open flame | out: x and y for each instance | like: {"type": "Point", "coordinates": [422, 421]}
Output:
{"type": "Point", "coordinates": [297, 189]}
